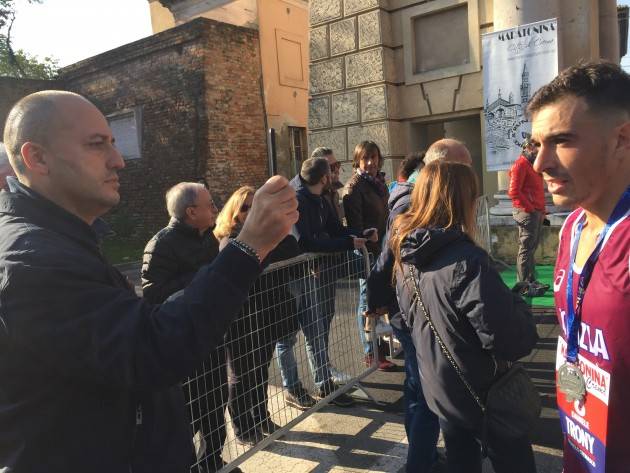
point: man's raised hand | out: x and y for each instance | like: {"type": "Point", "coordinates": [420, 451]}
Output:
{"type": "Point", "coordinates": [273, 213]}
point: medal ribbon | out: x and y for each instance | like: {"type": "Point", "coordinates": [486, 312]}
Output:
{"type": "Point", "coordinates": [574, 315]}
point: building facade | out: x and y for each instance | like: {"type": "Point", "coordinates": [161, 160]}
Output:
{"type": "Point", "coordinates": [282, 26]}
{"type": "Point", "coordinates": [405, 73]}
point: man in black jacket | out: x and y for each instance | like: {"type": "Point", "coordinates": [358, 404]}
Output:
{"type": "Point", "coordinates": [171, 260]}
{"type": "Point", "coordinates": [89, 372]}
{"type": "Point", "coordinates": [175, 254]}
{"type": "Point", "coordinates": [317, 230]}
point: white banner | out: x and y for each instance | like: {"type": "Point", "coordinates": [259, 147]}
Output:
{"type": "Point", "coordinates": [516, 63]}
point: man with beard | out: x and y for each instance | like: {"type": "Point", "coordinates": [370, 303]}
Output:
{"type": "Point", "coordinates": [331, 193]}
{"type": "Point", "coordinates": [317, 230]}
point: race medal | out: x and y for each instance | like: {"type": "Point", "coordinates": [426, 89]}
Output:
{"type": "Point", "coordinates": [571, 382]}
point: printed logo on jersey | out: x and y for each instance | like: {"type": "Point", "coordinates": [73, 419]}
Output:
{"type": "Point", "coordinates": [558, 281]}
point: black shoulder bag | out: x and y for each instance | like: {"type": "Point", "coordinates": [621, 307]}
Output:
{"type": "Point", "coordinates": [512, 404]}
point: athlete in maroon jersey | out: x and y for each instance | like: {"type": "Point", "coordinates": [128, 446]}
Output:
{"type": "Point", "coordinates": [581, 123]}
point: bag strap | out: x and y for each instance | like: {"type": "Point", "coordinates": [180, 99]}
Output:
{"type": "Point", "coordinates": [445, 351]}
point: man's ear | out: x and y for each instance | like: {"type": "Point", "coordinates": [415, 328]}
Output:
{"type": "Point", "coordinates": [35, 158]}
{"type": "Point", "coordinates": [190, 213]}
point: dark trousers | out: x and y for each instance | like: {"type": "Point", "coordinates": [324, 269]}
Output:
{"type": "Point", "coordinates": [206, 396]}
{"type": "Point", "coordinates": [249, 355]}
{"type": "Point", "coordinates": [529, 230]}
{"type": "Point", "coordinates": [422, 425]}
{"type": "Point", "coordinates": [463, 451]}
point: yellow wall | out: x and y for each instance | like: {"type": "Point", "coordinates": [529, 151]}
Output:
{"type": "Point", "coordinates": [161, 17]}
{"type": "Point", "coordinates": [283, 27]}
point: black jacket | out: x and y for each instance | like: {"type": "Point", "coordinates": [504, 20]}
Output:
{"type": "Point", "coordinates": [365, 208]}
{"type": "Point", "coordinates": [270, 310]}
{"type": "Point", "coordinates": [475, 313]}
{"type": "Point", "coordinates": [89, 372]}
{"type": "Point", "coordinates": [318, 228]}
{"type": "Point", "coordinates": [172, 258]}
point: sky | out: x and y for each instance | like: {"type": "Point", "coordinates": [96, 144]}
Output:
{"type": "Point", "coordinates": [72, 30]}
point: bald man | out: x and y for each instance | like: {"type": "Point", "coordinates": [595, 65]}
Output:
{"type": "Point", "coordinates": [89, 372]}
{"type": "Point", "coordinates": [421, 424]}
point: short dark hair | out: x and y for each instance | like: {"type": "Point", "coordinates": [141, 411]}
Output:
{"type": "Point", "coordinates": [364, 149]}
{"type": "Point", "coordinates": [411, 162]}
{"type": "Point", "coordinates": [603, 85]}
{"type": "Point", "coordinates": [313, 169]}
{"type": "Point", "coordinates": [321, 152]}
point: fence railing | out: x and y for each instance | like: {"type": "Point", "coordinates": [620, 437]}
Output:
{"type": "Point", "coordinates": [484, 239]}
{"type": "Point", "coordinates": [297, 333]}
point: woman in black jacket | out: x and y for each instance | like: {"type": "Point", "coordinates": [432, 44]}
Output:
{"type": "Point", "coordinates": [482, 323]}
{"type": "Point", "coordinates": [267, 316]}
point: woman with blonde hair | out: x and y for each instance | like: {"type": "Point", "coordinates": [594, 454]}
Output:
{"type": "Point", "coordinates": [455, 302]}
{"type": "Point", "coordinates": [233, 214]}
{"type": "Point", "coordinates": [267, 316]}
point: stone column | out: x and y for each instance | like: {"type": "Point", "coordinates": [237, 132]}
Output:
{"type": "Point", "coordinates": [608, 30]}
{"type": "Point", "coordinates": [508, 14]}
{"type": "Point", "coordinates": [351, 66]}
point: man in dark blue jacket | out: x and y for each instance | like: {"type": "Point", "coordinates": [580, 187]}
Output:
{"type": "Point", "coordinates": [318, 230]}
{"type": "Point", "coordinates": [89, 372]}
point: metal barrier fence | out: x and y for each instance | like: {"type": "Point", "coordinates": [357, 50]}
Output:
{"type": "Point", "coordinates": [309, 305]}
{"type": "Point", "coordinates": [484, 239]}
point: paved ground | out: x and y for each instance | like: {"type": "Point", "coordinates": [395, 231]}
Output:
{"type": "Point", "coordinates": [371, 438]}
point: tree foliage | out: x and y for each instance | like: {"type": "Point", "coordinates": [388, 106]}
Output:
{"type": "Point", "coordinates": [18, 63]}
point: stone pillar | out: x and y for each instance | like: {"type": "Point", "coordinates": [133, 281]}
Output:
{"type": "Point", "coordinates": [508, 14]}
{"type": "Point", "coordinates": [608, 31]}
{"type": "Point", "coordinates": [351, 66]}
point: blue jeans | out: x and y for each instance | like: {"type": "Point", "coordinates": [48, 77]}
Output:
{"type": "Point", "coordinates": [367, 345]}
{"type": "Point", "coordinates": [422, 425]}
{"type": "Point", "coordinates": [307, 293]}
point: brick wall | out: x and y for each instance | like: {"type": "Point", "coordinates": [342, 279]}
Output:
{"type": "Point", "coordinates": [12, 90]}
{"type": "Point", "coordinates": [196, 87]}
{"type": "Point", "coordinates": [237, 146]}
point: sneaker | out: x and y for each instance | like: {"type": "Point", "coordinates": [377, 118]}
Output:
{"type": "Point", "coordinates": [540, 285]}
{"type": "Point", "coordinates": [383, 364]}
{"type": "Point", "coordinates": [299, 398]}
{"type": "Point", "coordinates": [520, 287]}
{"type": "Point", "coordinates": [535, 291]}
{"type": "Point", "coordinates": [339, 377]}
{"type": "Point", "coordinates": [250, 437]}
{"type": "Point", "coordinates": [342, 400]}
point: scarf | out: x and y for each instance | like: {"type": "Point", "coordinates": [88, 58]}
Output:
{"type": "Point", "coordinates": [377, 182]}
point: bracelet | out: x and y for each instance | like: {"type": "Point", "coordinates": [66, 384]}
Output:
{"type": "Point", "coordinates": [245, 248]}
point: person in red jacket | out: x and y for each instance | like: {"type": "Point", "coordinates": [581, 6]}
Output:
{"type": "Point", "coordinates": [528, 199]}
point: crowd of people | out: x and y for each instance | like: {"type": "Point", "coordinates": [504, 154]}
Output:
{"type": "Point", "coordinates": [95, 378]}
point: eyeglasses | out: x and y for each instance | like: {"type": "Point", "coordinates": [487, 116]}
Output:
{"type": "Point", "coordinates": [245, 208]}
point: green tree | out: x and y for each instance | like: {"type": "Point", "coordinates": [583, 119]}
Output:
{"type": "Point", "coordinates": [18, 63]}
